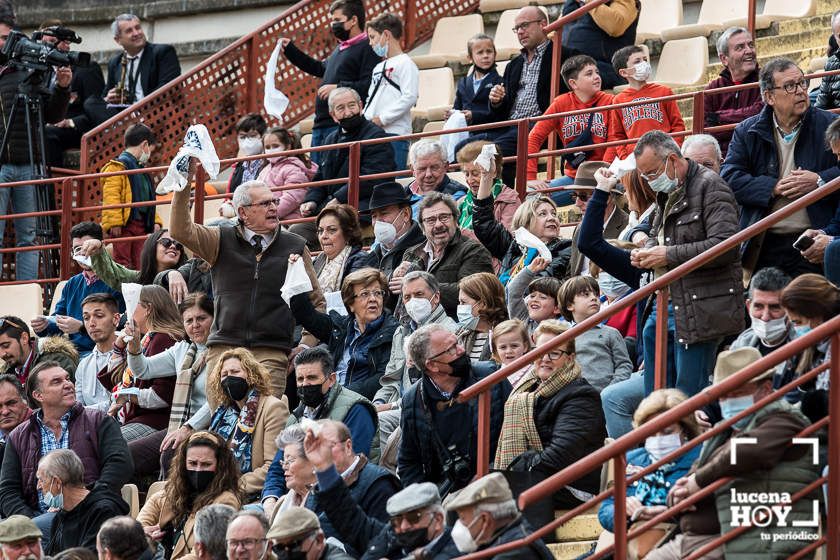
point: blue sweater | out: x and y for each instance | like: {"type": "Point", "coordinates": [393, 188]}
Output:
{"type": "Point", "coordinates": [70, 304]}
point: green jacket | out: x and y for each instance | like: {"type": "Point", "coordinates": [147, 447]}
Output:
{"type": "Point", "coordinates": [112, 272]}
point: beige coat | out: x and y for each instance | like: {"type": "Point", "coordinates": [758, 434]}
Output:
{"type": "Point", "coordinates": [271, 418]}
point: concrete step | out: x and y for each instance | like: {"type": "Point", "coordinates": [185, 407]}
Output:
{"type": "Point", "coordinates": [581, 528]}
{"type": "Point", "coordinates": [826, 6]}
{"type": "Point", "coordinates": [570, 550]}
{"type": "Point", "coordinates": [801, 56]}
{"type": "Point", "coordinates": [820, 22]}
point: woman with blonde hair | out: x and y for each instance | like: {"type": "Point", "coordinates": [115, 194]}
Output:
{"type": "Point", "coordinates": [246, 415]}
{"type": "Point", "coordinates": [505, 199]}
{"type": "Point", "coordinates": [481, 306]}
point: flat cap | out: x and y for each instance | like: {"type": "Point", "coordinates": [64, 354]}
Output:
{"type": "Point", "coordinates": [489, 489]}
{"type": "Point", "coordinates": [415, 496]}
{"type": "Point", "coordinates": [293, 522]}
{"type": "Point", "coordinates": [18, 527]}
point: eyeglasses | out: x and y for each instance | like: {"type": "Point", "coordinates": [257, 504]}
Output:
{"type": "Point", "coordinates": [265, 204]}
{"type": "Point", "coordinates": [452, 351]}
{"type": "Point", "coordinates": [247, 544]}
{"type": "Point", "coordinates": [555, 354]}
{"type": "Point", "coordinates": [288, 461]}
{"type": "Point", "coordinates": [651, 176]}
{"type": "Point", "coordinates": [168, 242]}
{"type": "Point", "coordinates": [791, 87]}
{"type": "Point", "coordinates": [283, 549]}
{"type": "Point", "coordinates": [432, 220]}
{"type": "Point", "coordinates": [524, 25]}
{"type": "Point", "coordinates": [368, 294]}
{"type": "Point", "coordinates": [412, 517]}
{"type": "Point", "coordinates": [583, 197]}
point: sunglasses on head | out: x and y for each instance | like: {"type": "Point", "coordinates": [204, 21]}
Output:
{"type": "Point", "coordinates": [168, 242]}
{"type": "Point", "coordinates": [6, 322]}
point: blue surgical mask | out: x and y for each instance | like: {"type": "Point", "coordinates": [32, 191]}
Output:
{"type": "Point", "coordinates": [802, 330]}
{"type": "Point", "coordinates": [731, 407]}
{"type": "Point", "coordinates": [663, 183]}
{"type": "Point", "coordinates": [381, 50]}
{"type": "Point", "coordinates": [53, 501]}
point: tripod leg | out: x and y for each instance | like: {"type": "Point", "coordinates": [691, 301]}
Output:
{"type": "Point", "coordinates": [45, 192]}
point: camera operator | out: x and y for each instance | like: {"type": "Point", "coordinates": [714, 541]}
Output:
{"type": "Point", "coordinates": [15, 164]}
{"type": "Point", "coordinates": [439, 434]}
{"type": "Point", "coordinates": [87, 82]}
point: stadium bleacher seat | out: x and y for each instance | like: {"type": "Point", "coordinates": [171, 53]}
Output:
{"type": "Point", "coordinates": [449, 41]}
{"type": "Point", "coordinates": [507, 45]}
{"type": "Point", "coordinates": [154, 488]}
{"type": "Point", "coordinates": [713, 14]}
{"type": "Point", "coordinates": [165, 212]}
{"type": "Point", "coordinates": [777, 10]}
{"type": "Point", "coordinates": [437, 92]}
{"type": "Point", "coordinates": [817, 64]}
{"type": "Point", "coordinates": [131, 495]}
{"type": "Point", "coordinates": [306, 141]}
{"type": "Point", "coordinates": [25, 301]}
{"type": "Point", "coordinates": [658, 15]}
{"type": "Point", "coordinates": [433, 125]}
{"type": "Point", "coordinates": [211, 209]}
{"type": "Point", "coordinates": [305, 126]}
{"type": "Point", "coordinates": [500, 67]}
{"type": "Point", "coordinates": [56, 295]}
{"type": "Point", "coordinates": [683, 62]}
{"type": "Point", "coordinates": [488, 6]}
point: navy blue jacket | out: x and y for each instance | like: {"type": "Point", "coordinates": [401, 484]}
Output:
{"type": "Point", "coordinates": [752, 164]}
{"type": "Point", "coordinates": [467, 99]}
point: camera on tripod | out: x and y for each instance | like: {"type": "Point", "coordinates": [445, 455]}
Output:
{"type": "Point", "coordinates": [29, 54]}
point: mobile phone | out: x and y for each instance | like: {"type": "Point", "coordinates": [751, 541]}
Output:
{"type": "Point", "coordinates": [803, 243]}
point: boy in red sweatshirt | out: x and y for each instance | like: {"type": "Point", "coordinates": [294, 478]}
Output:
{"type": "Point", "coordinates": [580, 73]}
{"type": "Point", "coordinates": [632, 64]}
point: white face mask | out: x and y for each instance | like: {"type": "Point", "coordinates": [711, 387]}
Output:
{"type": "Point", "coordinates": [659, 446]}
{"type": "Point", "coordinates": [464, 312]}
{"type": "Point", "coordinates": [463, 539]}
{"type": "Point", "coordinates": [418, 309]}
{"type": "Point", "coordinates": [144, 158]}
{"type": "Point", "coordinates": [642, 71]}
{"type": "Point", "coordinates": [275, 151]}
{"type": "Point", "coordinates": [385, 232]}
{"type": "Point", "coordinates": [770, 332]}
{"type": "Point", "coordinates": [250, 146]}
{"type": "Point", "coordinates": [663, 183]}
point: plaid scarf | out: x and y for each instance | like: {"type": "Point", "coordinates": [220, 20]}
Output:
{"type": "Point", "coordinates": [190, 369]}
{"type": "Point", "coordinates": [123, 377]}
{"type": "Point", "coordinates": [237, 428]}
{"type": "Point", "coordinates": [519, 431]}
{"type": "Point", "coordinates": [468, 202]}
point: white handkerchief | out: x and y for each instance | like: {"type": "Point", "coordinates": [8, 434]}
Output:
{"type": "Point", "coordinates": [485, 158]}
{"type": "Point", "coordinates": [335, 303]}
{"type": "Point", "coordinates": [198, 144]}
{"type": "Point", "coordinates": [621, 166]}
{"type": "Point", "coordinates": [83, 260]}
{"type": "Point", "coordinates": [297, 282]}
{"type": "Point", "coordinates": [131, 295]}
{"type": "Point", "coordinates": [449, 141]}
{"type": "Point", "coordinates": [275, 101]}
{"type": "Point", "coordinates": [527, 239]}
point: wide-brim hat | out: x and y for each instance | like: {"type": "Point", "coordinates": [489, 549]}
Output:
{"type": "Point", "coordinates": [585, 175]}
{"type": "Point", "coordinates": [730, 362]}
{"type": "Point", "coordinates": [390, 193]}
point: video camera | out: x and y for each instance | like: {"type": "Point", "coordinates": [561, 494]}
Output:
{"type": "Point", "coordinates": [34, 55]}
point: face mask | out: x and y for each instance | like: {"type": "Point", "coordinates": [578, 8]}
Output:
{"type": "Point", "coordinates": [235, 387]}
{"type": "Point", "coordinates": [463, 539]}
{"type": "Point", "coordinates": [770, 331]}
{"type": "Point", "coordinates": [461, 366]}
{"type": "Point", "coordinates": [200, 480]}
{"type": "Point", "coordinates": [250, 146]}
{"type": "Point", "coordinates": [384, 232]}
{"type": "Point", "coordinates": [663, 183]}
{"type": "Point", "coordinates": [611, 286]}
{"type": "Point", "coordinates": [802, 330]}
{"type": "Point", "coordinates": [414, 539]}
{"type": "Point", "coordinates": [464, 312]}
{"type": "Point", "coordinates": [659, 446]}
{"type": "Point", "coordinates": [53, 501]}
{"type": "Point", "coordinates": [352, 123]}
{"type": "Point", "coordinates": [311, 395]}
{"type": "Point", "coordinates": [418, 309]}
{"type": "Point", "coordinates": [381, 50]}
{"type": "Point", "coordinates": [642, 71]}
{"type": "Point", "coordinates": [144, 158]}
{"type": "Point", "coordinates": [337, 28]}
{"type": "Point", "coordinates": [731, 407]}
{"type": "Point", "coordinates": [275, 151]}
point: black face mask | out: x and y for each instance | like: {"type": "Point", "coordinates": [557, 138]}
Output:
{"type": "Point", "coordinates": [311, 395]}
{"type": "Point", "coordinates": [413, 539]}
{"type": "Point", "coordinates": [461, 366]}
{"type": "Point", "coordinates": [352, 123]}
{"type": "Point", "coordinates": [235, 387]}
{"type": "Point", "coordinates": [200, 480]}
{"type": "Point", "coordinates": [337, 28]}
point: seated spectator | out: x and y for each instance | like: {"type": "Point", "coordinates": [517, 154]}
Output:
{"type": "Point", "coordinates": [552, 419]}
{"type": "Point", "coordinates": [21, 352]}
{"type": "Point", "coordinates": [101, 319]}
{"type": "Point", "coordinates": [511, 340]}
{"type": "Point", "coordinates": [769, 463]}
{"type": "Point", "coordinates": [204, 472]}
{"type": "Point", "coordinates": [488, 517]}
{"type": "Point", "coordinates": [335, 462]}
{"type": "Point", "coordinates": [437, 430]}
{"type": "Point", "coordinates": [298, 473]}
{"type": "Point", "coordinates": [481, 306]}
{"type": "Point", "coordinates": [505, 200]}
{"type": "Point", "coordinates": [829, 95]}
{"type": "Point", "coordinates": [281, 171]}
{"type": "Point", "coordinates": [155, 327]}
{"type": "Point", "coordinates": [428, 161]}
{"type": "Point", "coordinates": [533, 298]}
{"type": "Point", "coordinates": [646, 497]}
{"type": "Point", "coordinates": [210, 531]}
{"type": "Point", "coordinates": [536, 214]}
{"type": "Point", "coordinates": [602, 353]}
{"type": "Point", "coordinates": [20, 538]}
{"type": "Point", "coordinates": [641, 202]}
{"type": "Point", "coordinates": [472, 91]}
{"type": "Point", "coordinates": [446, 254]}
{"type": "Point", "coordinates": [249, 137]}
{"type": "Point", "coordinates": [703, 149]}
{"type": "Point", "coordinates": [394, 84]}
{"type": "Point", "coordinates": [297, 528]}
{"type": "Point", "coordinates": [360, 342]}
{"type": "Point", "coordinates": [632, 64]}
{"type": "Point", "coordinates": [340, 237]}
{"type": "Point", "coordinates": [187, 361]}
{"type": "Point", "coordinates": [247, 416]}
{"type": "Point", "coordinates": [14, 409]}
{"type": "Point", "coordinates": [580, 74]}
{"type": "Point", "coordinates": [191, 277]}
{"type": "Point", "coordinates": [139, 143]}
{"type": "Point", "coordinates": [67, 317]}
{"type": "Point", "coordinates": [826, 246]}
{"type": "Point", "coordinates": [123, 538]}
{"type": "Point", "coordinates": [736, 50]}
{"type": "Point", "coordinates": [776, 157]}
{"type": "Point", "coordinates": [246, 536]}
{"type": "Point", "coordinates": [80, 512]}
{"type": "Point", "coordinates": [59, 423]}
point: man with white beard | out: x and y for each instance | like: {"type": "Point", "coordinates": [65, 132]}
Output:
{"type": "Point", "coordinates": [20, 539]}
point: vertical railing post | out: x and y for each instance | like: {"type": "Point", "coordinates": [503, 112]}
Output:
{"type": "Point", "coordinates": [483, 448]}
{"type": "Point", "coordinates": [64, 258]}
{"type": "Point", "coordinates": [556, 62]}
{"type": "Point", "coordinates": [410, 24]}
{"type": "Point", "coordinates": [698, 121]}
{"type": "Point", "coordinates": [251, 74]}
{"type": "Point", "coordinates": [661, 361]}
{"type": "Point", "coordinates": [200, 182]}
{"type": "Point", "coordinates": [522, 158]}
{"type": "Point", "coordinates": [832, 536]}
{"type": "Point", "coordinates": [751, 17]}
{"type": "Point", "coordinates": [620, 509]}
{"type": "Point", "coordinates": [354, 169]}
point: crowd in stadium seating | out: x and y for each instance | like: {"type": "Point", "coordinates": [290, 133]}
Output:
{"type": "Point", "coordinates": [273, 404]}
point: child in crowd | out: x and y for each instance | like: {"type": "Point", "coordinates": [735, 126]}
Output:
{"type": "Point", "coordinates": [249, 136]}
{"type": "Point", "coordinates": [286, 170]}
{"type": "Point", "coordinates": [395, 83]}
{"type": "Point", "coordinates": [601, 351]}
{"type": "Point", "coordinates": [580, 73]}
{"type": "Point", "coordinates": [510, 340]}
{"type": "Point", "coordinates": [473, 90]}
{"type": "Point", "coordinates": [533, 299]}
{"type": "Point", "coordinates": [632, 122]}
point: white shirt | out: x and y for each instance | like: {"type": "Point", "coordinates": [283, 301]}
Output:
{"type": "Point", "coordinates": [89, 391]}
{"type": "Point", "coordinates": [392, 105]}
{"type": "Point", "coordinates": [135, 70]}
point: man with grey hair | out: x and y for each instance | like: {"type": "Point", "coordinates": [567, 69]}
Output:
{"type": "Point", "coordinates": [695, 210]}
{"type": "Point", "coordinates": [248, 265]}
{"type": "Point", "coordinates": [210, 527]}
{"type": "Point", "coordinates": [776, 157]}
{"type": "Point", "coordinates": [703, 149]}
{"type": "Point", "coordinates": [246, 536]}
{"type": "Point", "coordinates": [427, 159]}
{"type": "Point", "coordinates": [736, 49]}
{"type": "Point", "coordinates": [148, 66]}
{"type": "Point", "coordinates": [438, 432]}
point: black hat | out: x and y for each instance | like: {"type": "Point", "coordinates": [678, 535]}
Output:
{"type": "Point", "coordinates": [388, 194]}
